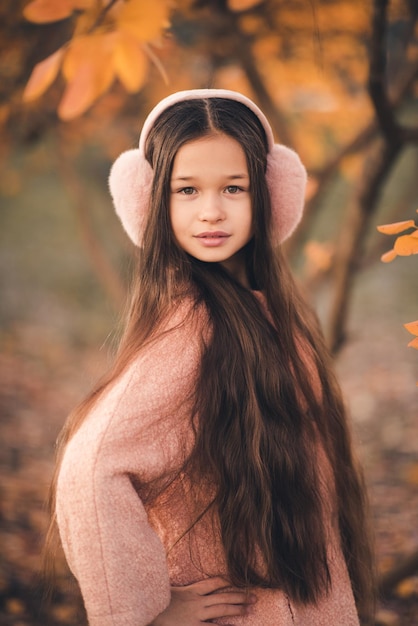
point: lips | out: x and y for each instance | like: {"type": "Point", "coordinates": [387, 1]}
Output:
{"type": "Point", "coordinates": [218, 234]}
{"type": "Point", "coordinates": [212, 239]}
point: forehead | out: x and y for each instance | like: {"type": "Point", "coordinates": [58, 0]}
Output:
{"type": "Point", "coordinates": [218, 152]}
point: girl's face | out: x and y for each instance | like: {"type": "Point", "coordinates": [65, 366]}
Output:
{"type": "Point", "coordinates": [210, 201]}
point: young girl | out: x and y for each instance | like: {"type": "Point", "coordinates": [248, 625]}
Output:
{"type": "Point", "coordinates": [210, 478]}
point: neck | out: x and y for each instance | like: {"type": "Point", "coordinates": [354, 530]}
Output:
{"type": "Point", "coordinates": [236, 267]}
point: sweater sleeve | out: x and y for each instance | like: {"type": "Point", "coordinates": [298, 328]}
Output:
{"type": "Point", "coordinates": [134, 430]}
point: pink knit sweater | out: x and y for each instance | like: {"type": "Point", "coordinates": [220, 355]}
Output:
{"type": "Point", "coordinates": [123, 521]}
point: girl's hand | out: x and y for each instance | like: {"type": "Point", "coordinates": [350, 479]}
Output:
{"type": "Point", "coordinates": [203, 601]}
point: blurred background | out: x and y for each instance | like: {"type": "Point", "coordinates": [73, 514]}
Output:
{"type": "Point", "coordinates": [338, 81]}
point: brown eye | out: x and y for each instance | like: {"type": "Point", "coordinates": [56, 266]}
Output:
{"type": "Point", "coordinates": [187, 191]}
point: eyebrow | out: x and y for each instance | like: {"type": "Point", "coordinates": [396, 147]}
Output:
{"type": "Point", "coordinates": [231, 177]}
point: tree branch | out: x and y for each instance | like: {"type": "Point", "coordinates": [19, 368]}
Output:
{"type": "Point", "coordinates": [100, 18]}
{"type": "Point", "coordinates": [352, 236]}
{"type": "Point", "coordinates": [363, 139]}
{"type": "Point", "coordinates": [378, 168]}
{"type": "Point", "coordinates": [409, 135]}
{"type": "Point", "coordinates": [377, 75]}
{"type": "Point", "coordinates": [240, 46]}
{"type": "Point", "coordinates": [272, 112]}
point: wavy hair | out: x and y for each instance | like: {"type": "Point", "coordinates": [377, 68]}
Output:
{"type": "Point", "coordinates": [266, 400]}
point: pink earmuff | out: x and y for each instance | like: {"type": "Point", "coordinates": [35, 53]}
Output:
{"type": "Point", "coordinates": [131, 175]}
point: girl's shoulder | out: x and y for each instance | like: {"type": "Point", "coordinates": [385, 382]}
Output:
{"type": "Point", "coordinates": [165, 365]}
{"type": "Point", "coordinates": [177, 339]}
{"type": "Point", "coordinates": [186, 316]}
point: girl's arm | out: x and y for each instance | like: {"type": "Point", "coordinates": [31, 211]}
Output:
{"type": "Point", "coordinates": [135, 430]}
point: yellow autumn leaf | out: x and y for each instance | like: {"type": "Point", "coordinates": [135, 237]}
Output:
{"type": "Point", "coordinates": [89, 71]}
{"type": "Point", "coordinates": [130, 62]}
{"type": "Point", "coordinates": [406, 588]}
{"type": "Point", "coordinates": [43, 75]}
{"type": "Point", "coordinates": [242, 5]}
{"type": "Point", "coordinates": [76, 54]}
{"type": "Point", "coordinates": [413, 343]}
{"type": "Point", "coordinates": [83, 90]}
{"type": "Point", "coordinates": [85, 21]}
{"type": "Point", "coordinates": [352, 165]}
{"type": "Point", "coordinates": [396, 227]}
{"type": "Point", "coordinates": [44, 11]}
{"type": "Point", "coordinates": [411, 474]}
{"type": "Point", "coordinates": [406, 245]}
{"type": "Point", "coordinates": [15, 606]}
{"type": "Point", "coordinates": [96, 48]}
{"type": "Point", "coordinates": [144, 20]}
{"type": "Point", "coordinates": [65, 613]}
{"type": "Point", "coordinates": [319, 255]}
{"type": "Point", "coordinates": [388, 256]}
{"type": "Point", "coordinates": [412, 327]}
{"type": "Point", "coordinates": [5, 111]}
{"type": "Point", "coordinates": [252, 24]}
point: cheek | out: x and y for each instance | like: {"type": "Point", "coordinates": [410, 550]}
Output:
{"type": "Point", "coordinates": [172, 214]}
{"type": "Point", "coordinates": [177, 220]}
{"type": "Point", "coordinates": [250, 220]}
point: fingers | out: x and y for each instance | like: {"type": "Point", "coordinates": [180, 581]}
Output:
{"type": "Point", "coordinates": [229, 603]}
{"type": "Point", "coordinates": [206, 600]}
{"type": "Point", "coordinates": [209, 585]}
{"type": "Point", "coordinates": [225, 610]}
{"type": "Point", "coordinates": [230, 597]}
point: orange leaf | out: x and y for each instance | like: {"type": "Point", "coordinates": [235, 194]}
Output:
{"type": "Point", "coordinates": [408, 587]}
{"type": "Point", "coordinates": [130, 62]}
{"type": "Point", "coordinates": [388, 256]}
{"type": "Point", "coordinates": [413, 343]}
{"type": "Point", "coordinates": [406, 245]}
{"type": "Point", "coordinates": [78, 51]}
{"type": "Point", "coordinates": [319, 255]}
{"type": "Point", "coordinates": [412, 327]}
{"type": "Point", "coordinates": [89, 70]}
{"type": "Point", "coordinates": [15, 606]}
{"type": "Point", "coordinates": [82, 91]}
{"type": "Point", "coordinates": [144, 20]}
{"type": "Point", "coordinates": [96, 49]}
{"type": "Point", "coordinates": [43, 11]}
{"type": "Point", "coordinates": [43, 75]}
{"type": "Point", "coordinates": [411, 474]}
{"type": "Point", "coordinates": [395, 228]}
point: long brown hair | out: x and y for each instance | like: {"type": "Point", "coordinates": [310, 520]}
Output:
{"type": "Point", "coordinates": [259, 416]}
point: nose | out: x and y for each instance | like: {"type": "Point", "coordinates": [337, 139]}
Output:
{"type": "Point", "coordinates": [211, 209]}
